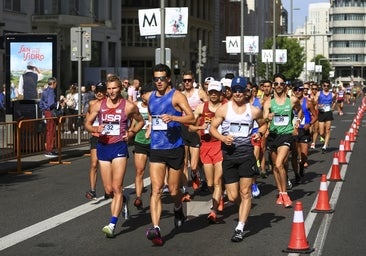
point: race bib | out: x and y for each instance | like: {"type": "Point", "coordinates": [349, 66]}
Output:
{"type": "Point", "coordinates": [239, 129]}
{"type": "Point", "coordinates": [207, 130]}
{"type": "Point", "coordinates": [326, 108]}
{"type": "Point", "coordinates": [158, 124]}
{"type": "Point", "coordinates": [146, 124]}
{"type": "Point", "coordinates": [111, 128]}
{"type": "Point", "coordinates": [281, 120]}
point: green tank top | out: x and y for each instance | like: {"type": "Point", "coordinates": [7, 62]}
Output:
{"type": "Point", "coordinates": [140, 136]}
{"type": "Point", "coordinates": [281, 122]}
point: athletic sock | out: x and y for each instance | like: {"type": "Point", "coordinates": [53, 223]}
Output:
{"type": "Point", "coordinates": [240, 226]}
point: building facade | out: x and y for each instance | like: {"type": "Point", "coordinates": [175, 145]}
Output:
{"type": "Point", "coordinates": [117, 46]}
{"type": "Point", "coordinates": [348, 41]}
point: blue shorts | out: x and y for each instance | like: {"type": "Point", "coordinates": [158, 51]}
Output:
{"type": "Point", "coordinates": [108, 152]}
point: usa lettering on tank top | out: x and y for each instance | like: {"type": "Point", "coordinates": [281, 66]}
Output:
{"type": "Point", "coordinates": [114, 121]}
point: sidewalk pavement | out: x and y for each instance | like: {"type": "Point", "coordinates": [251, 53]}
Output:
{"type": "Point", "coordinates": [34, 161]}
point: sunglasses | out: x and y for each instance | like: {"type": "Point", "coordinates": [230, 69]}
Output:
{"type": "Point", "coordinates": [305, 88]}
{"type": "Point", "coordinates": [298, 89]}
{"type": "Point", "coordinates": [188, 80]}
{"type": "Point", "coordinates": [161, 78]}
{"type": "Point", "coordinates": [277, 83]}
{"type": "Point", "coordinates": [327, 86]}
{"type": "Point", "coordinates": [314, 89]}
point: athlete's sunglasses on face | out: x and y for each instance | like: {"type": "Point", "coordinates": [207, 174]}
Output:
{"type": "Point", "coordinates": [161, 78]}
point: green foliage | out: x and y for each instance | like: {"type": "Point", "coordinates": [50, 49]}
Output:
{"type": "Point", "coordinates": [326, 67]}
{"type": "Point", "coordinates": [295, 58]}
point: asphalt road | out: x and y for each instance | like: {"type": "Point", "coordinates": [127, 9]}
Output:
{"type": "Point", "coordinates": [46, 213]}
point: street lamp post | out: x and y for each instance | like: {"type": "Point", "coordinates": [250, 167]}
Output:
{"type": "Point", "coordinates": [274, 39]}
{"type": "Point", "coordinates": [292, 9]}
{"type": "Point", "coordinates": [242, 36]}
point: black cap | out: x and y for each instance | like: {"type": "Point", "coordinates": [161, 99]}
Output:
{"type": "Point", "coordinates": [101, 87]}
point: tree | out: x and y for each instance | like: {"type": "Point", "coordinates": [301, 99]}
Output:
{"type": "Point", "coordinates": [295, 58]}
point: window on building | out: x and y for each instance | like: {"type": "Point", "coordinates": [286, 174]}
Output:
{"type": "Point", "coordinates": [12, 5]}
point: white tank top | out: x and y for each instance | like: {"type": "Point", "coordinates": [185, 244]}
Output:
{"type": "Point", "coordinates": [194, 100]}
{"type": "Point", "coordinates": [238, 125]}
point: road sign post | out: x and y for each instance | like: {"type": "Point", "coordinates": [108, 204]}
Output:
{"type": "Point", "coordinates": [80, 51]}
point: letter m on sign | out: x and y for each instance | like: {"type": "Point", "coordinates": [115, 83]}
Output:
{"type": "Point", "coordinates": [149, 22]}
{"type": "Point", "coordinates": [233, 44]}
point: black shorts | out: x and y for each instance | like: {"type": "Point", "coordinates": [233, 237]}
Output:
{"type": "Point", "coordinates": [93, 142]}
{"type": "Point", "coordinates": [173, 158]}
{"type": "Point", "coordinates": [237, 168]}
{"type": "Point", "coordinates": [142, 148]}
{"type": "Point", "coordinates": [275, 141]}
{"type": "Point", "coordinates": [303, 136]}
{"type": "Point", "coordinates": [191, 139]}
{"type": "Point", "coordinates": [325, 116]}
{"type": "Point", "coordinates": [340, 101]}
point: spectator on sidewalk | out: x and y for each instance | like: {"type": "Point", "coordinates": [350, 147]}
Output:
{"type": "Point", "coordinates": [47, 104]}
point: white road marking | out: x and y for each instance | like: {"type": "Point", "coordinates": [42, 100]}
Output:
{"type": "Point", "coordinates": [194, 208]}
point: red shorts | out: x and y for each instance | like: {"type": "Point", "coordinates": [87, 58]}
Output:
{"type": "Point", "coordinates": [210, 152]}
{"type": "Point", "coordinates": [257, 142]}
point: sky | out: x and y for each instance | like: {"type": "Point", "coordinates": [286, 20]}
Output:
{"type": "Point", "coordinates": [299, 15]}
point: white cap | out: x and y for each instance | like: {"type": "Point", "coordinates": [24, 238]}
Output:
{"type": "Point", "coordinates": [214, 85]}
{"type": "Point", "coordinates": [226, 82]}
{"type": "Point", "coordinates": [208, 79]}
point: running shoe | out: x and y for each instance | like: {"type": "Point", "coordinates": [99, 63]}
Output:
{"type": "Point", "coordinates": [255, 190]}
{"type": "Point", "coordinates": [153, 234]}
{"type": "Point", "coordinates": [289, 184]}
{"type": "Point", "coordinates": [321, 139]}
{"type": "Point", "coordinates": [263, 174]}
{"type": "Point", "coordinates": [324, 150]}
{"type": "Point", "coordinates": [138, 203]}
{"type": "Point", "coordinates": [204, 187]}
{"type": "Point", "coordinates": [195, 181]}
{"type": "Point", "coordinates": [238, 236]}
{"type": "Point", "coordinates": [286, 200]}
{"type": "Point", "coordinates": [107, 196]}
{"type": "Point", "coordinates": [50, 154]}
{"type": "Point", "coordinates": [312, 146]}
{"type": "Point", "coordinates": [108, 231]}
{"type": "Point", "coordinates": [91, 194]}
{"type": "Point", "coordinates": [125, 211]}
{"type": "Point", "coordinates": [186, 197]}
{"type": "Point", "coordinates": [211, 217]}
{"type": "Point", "coordinates": [166, 189]}
{"type": "Point", "coordinates": [279, 199]}
{"type": "Point", "coordinates": [179, 217]}
{"type": "Point", "coordinates": [221, 205]}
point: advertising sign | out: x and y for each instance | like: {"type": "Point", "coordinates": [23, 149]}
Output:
{"type": "Point", "coordinates": [30, 60]}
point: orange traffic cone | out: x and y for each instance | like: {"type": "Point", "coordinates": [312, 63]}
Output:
{"type": "Point", "coordinates": [351, 135]}
{"type": "Point", "coordinates": [358, 121]}
{"type": "Point", "coordinates": [355, 130]}
{"type": "Point", "coordinates": [335, 174]}
{"type": "Point", "coordinates": [298, 242]}
{"type": "Point", "coordinates": [347, 143]}
{"type": "Point", "coordinates": [342, 153]}
{"type": "Point", "coordinates": [323, 199]}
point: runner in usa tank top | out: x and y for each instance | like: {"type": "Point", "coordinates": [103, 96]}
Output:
{"type": "Point", "coordinates": [114, 121]}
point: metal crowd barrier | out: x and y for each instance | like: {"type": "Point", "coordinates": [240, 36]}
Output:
{"type": "Point", "coordinates": [27, 137]}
